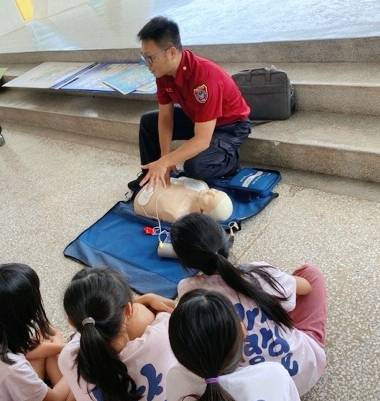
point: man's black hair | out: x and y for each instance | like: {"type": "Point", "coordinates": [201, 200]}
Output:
{"type": "Point", "coordinates": [162, 31]}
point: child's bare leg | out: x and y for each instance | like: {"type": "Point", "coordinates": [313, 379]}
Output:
{"type": "Point", "coordinates": [39, 366]}
{"type": "Point", "coordinates": [52, 370]}
{"type": "Point", "coordinates": [310, 313]}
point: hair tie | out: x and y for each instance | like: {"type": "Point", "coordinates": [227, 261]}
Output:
{"type": "Point", "coordinates": [212, 380]}
{"type": "Point", "coordinates": [88, 320]}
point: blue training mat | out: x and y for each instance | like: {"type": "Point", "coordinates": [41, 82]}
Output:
{"type": "Point", "coordinates": [118, 240]}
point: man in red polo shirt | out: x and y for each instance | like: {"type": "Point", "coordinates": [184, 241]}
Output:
{"type": "Point", "coordinates": [213, 116]}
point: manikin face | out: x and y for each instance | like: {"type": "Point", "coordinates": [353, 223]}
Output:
{"type": "Point", "coordinates": [159, 61]}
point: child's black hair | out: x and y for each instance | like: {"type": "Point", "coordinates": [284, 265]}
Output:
{"type": "Point", "coordinates": [162, 31]}
{"type": "Point", "coordinates": [23, 321]}
{"type": "Point", "coordinates": [207, 338]}
{"type": "Point", "coordinates": [201, 244]}
{"type": "Point", "coordinates": [101, 294]}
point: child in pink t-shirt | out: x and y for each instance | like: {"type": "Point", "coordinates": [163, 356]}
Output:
{"type": "Point", "coordinates": [29, 346]}
{"type": "Point", "coordinates": [284, 314]}
{"type": "Point", "coordinates": [121, 349]}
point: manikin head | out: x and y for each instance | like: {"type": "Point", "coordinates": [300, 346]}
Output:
{"type": "Point", "coordinates": [216, 204]}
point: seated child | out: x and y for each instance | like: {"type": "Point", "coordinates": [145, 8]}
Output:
{"type": "Point", "coordinates": [121, 348]}
{"type": "Point", "coordinates": [284, 314]}
{"type": "Point", "coordinates": [29, 346]}
{"type": "Point", "coordinates": [207, 338]}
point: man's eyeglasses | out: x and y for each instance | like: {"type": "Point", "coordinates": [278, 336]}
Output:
{"type": "Point", "coordinates": [150, 59]}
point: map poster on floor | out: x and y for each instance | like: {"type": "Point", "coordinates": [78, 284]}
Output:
{"type": "Point", "coordinates": [48, 75]}
{"type": "Point", "coordinates": [131, 79]}
{"type": "Point", "coordinates": [92, 79]}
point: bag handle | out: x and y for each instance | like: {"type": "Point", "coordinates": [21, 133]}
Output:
{"type": "Point", "coordinates": [268, 72]}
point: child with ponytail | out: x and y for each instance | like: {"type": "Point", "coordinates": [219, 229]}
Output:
{"type": "Point", "coordinates": [121, 350]}
{"type": "Point", "coordinates": [207, 337]}
{"type": "Point", "coordinates": [284, 314]}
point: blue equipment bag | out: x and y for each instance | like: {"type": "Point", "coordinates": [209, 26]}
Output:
{"type": "Point", "coordinates": [249, 181]}
{"type": "Point", "coordinates": [118, 239]}
{"type": "Point", "coordinates": [250, 190]}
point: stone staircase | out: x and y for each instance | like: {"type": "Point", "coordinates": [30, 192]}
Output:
{"type": "Point", "coordinates": [336, 129]}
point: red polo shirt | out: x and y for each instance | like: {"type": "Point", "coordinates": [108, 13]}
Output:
{"type": "Point", "coordinates": [204, 91]}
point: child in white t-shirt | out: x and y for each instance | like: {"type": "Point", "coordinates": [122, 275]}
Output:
{"type": "Point", "coordinates": [207, 337]}
{"type": "Point", "coordinates": [29, 346]}
{"type": "Point", "coordinates": [284, 314]}
{"type": "Point", "coordinates": [121, 350]}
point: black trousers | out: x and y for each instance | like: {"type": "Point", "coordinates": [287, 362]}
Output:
{"type": "Point", "coordinates": [221, 158]}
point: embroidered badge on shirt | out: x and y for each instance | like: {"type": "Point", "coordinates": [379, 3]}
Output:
{"type": "Point", "coordinates": [201, 94]}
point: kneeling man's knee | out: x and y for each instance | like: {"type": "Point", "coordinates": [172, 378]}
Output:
{"type": "Point", "coordinates": [196, 168]}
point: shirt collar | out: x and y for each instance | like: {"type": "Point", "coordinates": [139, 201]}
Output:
{"type": "Point", "coordinates": [183, 68]}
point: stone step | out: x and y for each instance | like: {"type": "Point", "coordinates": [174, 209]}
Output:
{"type": "Point", "coordinates": [95, 116]}
{"type": "Point", "coordinates": [351, 88]}
{"type": "Point", "coordinates": [330, 143]}
{"type": "Point", "coordinates": [323, 182]}
{"type": "Point", "coordinates": [350, 50]}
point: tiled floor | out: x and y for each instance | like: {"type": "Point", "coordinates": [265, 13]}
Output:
{"type": "Point", "coordinates": [53, 185]}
